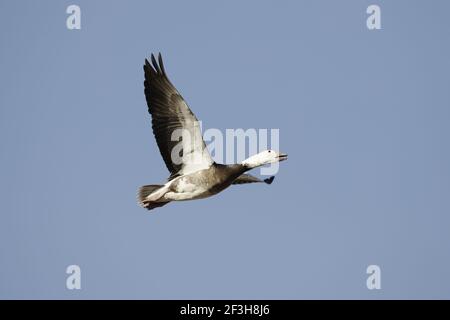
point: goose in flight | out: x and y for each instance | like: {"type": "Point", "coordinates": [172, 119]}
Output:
{"type": "Point", "coordinates": [193, 173]}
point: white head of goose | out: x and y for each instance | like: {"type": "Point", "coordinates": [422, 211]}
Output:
{"type": "Point", "coordinates": [193, 173]}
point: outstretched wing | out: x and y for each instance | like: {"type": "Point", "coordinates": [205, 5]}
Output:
{"type": "Point", "coordinates": [176, 129]}
{"type": "Point", "coordinates": [248, 178]}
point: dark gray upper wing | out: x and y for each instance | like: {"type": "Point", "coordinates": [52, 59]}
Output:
{"type": "Point", "coordinates": [173, 123]}
{"type": "Point", "coordinates": [248, 178]}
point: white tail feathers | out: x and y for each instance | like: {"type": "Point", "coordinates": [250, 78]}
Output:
{"type": "Point", "coordinates": [144, 192]}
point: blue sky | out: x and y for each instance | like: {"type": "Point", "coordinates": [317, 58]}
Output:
{"type": "Point", "coordinates": [362, 114]}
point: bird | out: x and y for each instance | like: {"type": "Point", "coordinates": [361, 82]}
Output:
{"type": "Point", "coordinates": [193, 173]}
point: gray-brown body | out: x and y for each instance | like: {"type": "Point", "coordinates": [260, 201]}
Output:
{"type": "Point", "coordinates": [204, 183]}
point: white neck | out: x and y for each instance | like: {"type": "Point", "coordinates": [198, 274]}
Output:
{"type": "Point", "coordinates": [253, 162]}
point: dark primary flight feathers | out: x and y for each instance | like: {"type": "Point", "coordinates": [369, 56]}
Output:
{"type": "Point", "coordinates": [169, 112]}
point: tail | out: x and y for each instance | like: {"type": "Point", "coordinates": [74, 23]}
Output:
{"type": "Point", "coordinates": [144, 192]}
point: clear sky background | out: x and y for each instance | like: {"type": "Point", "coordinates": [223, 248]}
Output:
{"type": "Point", "coordinates": [364, 116]}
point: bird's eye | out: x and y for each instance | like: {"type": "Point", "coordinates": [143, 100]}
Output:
{"type": "Point", "coordinates": [270, 151]}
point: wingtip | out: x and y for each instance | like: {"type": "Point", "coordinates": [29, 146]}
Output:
{"type": "Point", "coordinates": [269, 180]}
{"type": "Point", "coordinates": [161, 64]}
{"type": "Point", "coordinates": [155, 64]}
